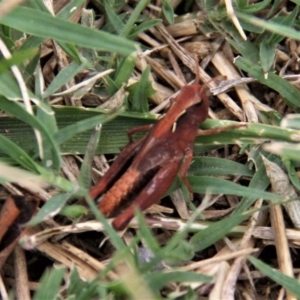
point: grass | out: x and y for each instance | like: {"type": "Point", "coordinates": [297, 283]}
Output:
{"type": "Point", "coordinates": [72, 83]}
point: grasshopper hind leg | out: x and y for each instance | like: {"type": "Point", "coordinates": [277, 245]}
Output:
{"type": "Point", "coordinates": [152, 193]}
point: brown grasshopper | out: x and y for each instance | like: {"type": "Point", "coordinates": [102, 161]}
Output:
{"type": "Point", "coordinates": [145, 169]}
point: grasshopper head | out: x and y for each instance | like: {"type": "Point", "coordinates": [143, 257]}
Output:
{"type": "Point", "coordinates": [193, 96]}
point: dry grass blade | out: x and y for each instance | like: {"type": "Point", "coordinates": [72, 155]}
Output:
{"type": "Point", "coordinates": [180, 204]}
{"type": "Point", "coordinates": [218, 258]}
{"type": "Point", "coordinates": [68, 255]}
{"type": "Point", "coordinates": [227, 69]}
{"type": "Point", "coordinates": [185, 28]}
{"type": "Point", "coordinates": [282, 186]}
{"type": "Point", "coordinates": [21, 272]}
{"type": "Point", "coordinates": [162, 72]}
{"type": "Point", "coordinates": [282, 248]}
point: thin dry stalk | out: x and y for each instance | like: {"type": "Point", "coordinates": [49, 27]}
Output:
{"type": "Point", "coordinates": [21, 284]}
{"type": "Point", "coordinates": [176, 67]}
{"type": "Point", "coordinates": [258, 218]}
{"type": "Point", "coordinates": [86, 83]}
{"type": "Point", "coordinates": [282, 248]}
{"type": "Point", "coordinates": [217, 259]}
{"type": "Point", "coordinates": [259, 232]}
{"type": "Point", "coordinates": [89, 260]}
{"type": "Point", "coordinates": [234, 19]}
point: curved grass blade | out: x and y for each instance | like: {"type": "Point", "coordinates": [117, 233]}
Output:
{"type": "Point", "coordinates": [18, 155]}
{"type": "Point", "coordinates": [283, 87]}
{"type": "Point", "coordinates": [50, 209]}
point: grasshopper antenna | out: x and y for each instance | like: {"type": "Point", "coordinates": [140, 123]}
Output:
{"type": "Point", "coordinates": [197, 72]}
{"type": "Point", "coordinates": [197, 79]}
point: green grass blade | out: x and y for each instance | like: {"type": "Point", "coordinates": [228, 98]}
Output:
{"type": "Point", "coordinates": [50, 209]}
{"type": "Point", "coordinates": [19, 112]}
{"type": "Point", "coordinates": [216, 231]}
{"type": "Point", "coordinates": [67, 11]}
{"type": "Point", "coordinates": [140, 92]}
{"type": "Point", "coordinates": [133, 17]}
{"type": "Point", "coordinates": [143, 27]}
{"type": "Point", "coordinates": [124, 71]}
{"type": "Point", "coordinates": [18, 155]}
{"type": "Point", "coordinates": [248, 134]}
{"type": "Point", "coordinates": [291, 121]}
{"type": "Point", "coordinates": [283, 87]}
{"type": "Point", "coordinates": [50, 284]}
{"type": "Point", "coordinates": [217, 166]}
{"type": "Point", "coordinates": [285, 150]}
{"type": "Point", "coordinates": [291, 284]}
{"type": "Point", "coordinates": [267, 54]}
{"type": "Point", "coordinates": [259, 182]}
{"type": "Point", "coordinates": [114, 134]}
{"type": "Point", "coordinates": [44, 25]}
{"type": "Point", "coordinates": [283, 30]}
{"type": "Point", "coordinates": [157, 280]}
{"type": "Point", "coordinates": [77, 127]}
{"type": "Point", "coordinates": [168, 11]}
{"type": "Point", "coordinates": [254, 7]}
{"type": "Point", "coordinates": [86, 166]}
{"type": "Point", "coordinates": [63, 77]}
{"type": "Point", "coordinates": [10, 90]}
{"type": "Point", "coordinates": [114, 237]}
{"type": "Point", "coordinates": [213, 185]}
{"type": "Point", "coordinates": [113, 18]}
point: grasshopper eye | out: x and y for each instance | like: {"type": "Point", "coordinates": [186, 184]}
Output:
{"type": "Point", "coordinates": [200, 95]}
{"type": "Point", "coordinates": [204, 93]}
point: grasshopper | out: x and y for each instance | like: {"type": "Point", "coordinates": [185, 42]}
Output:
{"type": "Point", "coordinates": [145, 169]}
